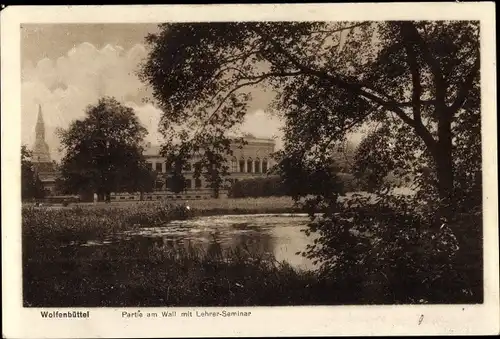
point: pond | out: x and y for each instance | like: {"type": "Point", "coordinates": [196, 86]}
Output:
{"type": "Point", "coordinates": [277, 234]}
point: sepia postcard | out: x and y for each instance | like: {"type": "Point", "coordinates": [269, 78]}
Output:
{"type": "Point", "coordinates": [249, 170]}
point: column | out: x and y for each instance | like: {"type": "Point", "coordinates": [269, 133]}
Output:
{"type": "Point", "coordinates": [246, 165]}
{"type": "Point", "coordinates": [260, 165]}
{"type": "Point", "coordinates": [163, 167]}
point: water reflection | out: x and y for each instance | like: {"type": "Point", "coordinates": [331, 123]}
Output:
{"type": "Point", "coordinates": [279, 235]}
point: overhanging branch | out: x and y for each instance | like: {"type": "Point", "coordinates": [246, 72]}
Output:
{"type": "Point", "coordinates": [465, 87]}
{"type": "Point", "coordinates": [359, 90]}
{"type": "Point", "coordinates": [412, 35]}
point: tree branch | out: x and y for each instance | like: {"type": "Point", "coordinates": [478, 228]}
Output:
{"type": "Point", "coordinates": [465, 88]}
{"type": "Point", "coordinates": [359, 90]}
{"type": "Point", "coordinates": [237, 87]}
{"type": "Point", "coordinates": [338, 30]}
{"type": "Point", "coordinates": [415, 78]}
{"type": "Point", "coordinates": [410, 103]}
{"type": "Point", "coordinates": [411, 34]}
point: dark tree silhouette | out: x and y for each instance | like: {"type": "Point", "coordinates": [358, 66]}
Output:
{"type": "Point", "coordinates": [414, 84]}
{"type": "Point", "coordinates": [31, 185]}
{"type": "Point", "coordinates": [103, 152]}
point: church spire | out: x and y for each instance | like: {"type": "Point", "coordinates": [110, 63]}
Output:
{"type": "Point", "coordinates": [40, 125]}
{"type": "Point", "coordinates": [41, 152]}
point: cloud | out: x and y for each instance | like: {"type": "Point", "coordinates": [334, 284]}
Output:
{"type": "Point", "coordinates": [149, 116]}
{"type": "Point", "coordinates": [66, 86]}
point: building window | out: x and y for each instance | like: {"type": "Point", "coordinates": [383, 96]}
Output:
{"type": "Point", "coordinates": [234, 165]}
{"type": "Point", "coordinates": [197, 183]}
{"type": "Point", "coordinates": [249, 166]}
{"type": "Point", "coordinates": [264, 166]}
{"type": "Point", "coordinates": [257, 166]}
{"type": "Point", "coordinates": [158, 167]}
{"type": "Point", "coordinates": [188, 184]}
{"type": "Point", "coordinates": [151, 166]}
{"type": "Point", "coordinates": [242, 165]}
{"type": "Point", "coordinates": [197, 167]}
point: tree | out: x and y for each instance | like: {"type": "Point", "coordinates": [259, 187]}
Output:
{"type": "Point", "coordinates": [103, 152]}
{"type": "Point", "coordinates": [371, 164]}
{"type": "Point", "coordinates": [144, 181]}
{"type": "Point", "coordinates": [31, 185]}
{"type": "Point", "coordinates": [343, 155]}
{"type": "Point", "coordinates": [415, 83]}
{"type": "Point", "coordinates": [258, 187]}
{"type": "Point", "coordinates": [420, 75]}
{"type": "Point", "coordinates": [176, 180]}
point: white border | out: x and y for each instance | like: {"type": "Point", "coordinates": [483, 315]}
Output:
{"type": "Point", "coordinates": [274, 321]}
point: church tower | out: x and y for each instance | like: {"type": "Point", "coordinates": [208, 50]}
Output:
{"type": "Point", "coordinates": [41, 152]}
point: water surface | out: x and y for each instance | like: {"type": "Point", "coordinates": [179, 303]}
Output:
{"type": "Point", "coordinates": [277, 234]}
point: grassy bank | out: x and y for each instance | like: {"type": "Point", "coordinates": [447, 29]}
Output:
{"type": "Point", "coordinates": [87, 221]}
{"type": "Point", "coordinates": [244, 206]}
{"type": "Point", "coordinates": [216, 206]}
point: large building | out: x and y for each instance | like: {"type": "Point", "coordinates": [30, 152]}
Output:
{"type": "Point", "coordinates": [248, 161]}
{"type": "Point", "coordinates": [42, 163]}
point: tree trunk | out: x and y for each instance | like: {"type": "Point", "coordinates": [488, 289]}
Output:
{"type": "Point", "coordinates": [444, 167]}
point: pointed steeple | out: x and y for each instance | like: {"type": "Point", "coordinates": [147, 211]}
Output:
{"type": "Point", "coordinates": [40, 125]}
{"type": "Point", "coordinates": [41, 152]}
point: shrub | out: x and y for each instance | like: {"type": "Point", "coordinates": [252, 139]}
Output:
{"type": "Point", "coordinates": [258, 187]}
{"type": "Point", "coordinates": [388, 251]}
{"type": "Point", "coordinates": [186, 276]}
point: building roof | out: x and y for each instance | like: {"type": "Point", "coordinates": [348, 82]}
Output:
{"type": "Point", "coordinates": [154, 150]}
{"type": "Point", "coordinates": [151, 150]}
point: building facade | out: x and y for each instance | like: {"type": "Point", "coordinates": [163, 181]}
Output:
{"type": "Point", "coordinates": [252, 160]}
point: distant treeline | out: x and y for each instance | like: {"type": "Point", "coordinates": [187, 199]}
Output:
{"type": "Point", "coordinates": [258, 187]}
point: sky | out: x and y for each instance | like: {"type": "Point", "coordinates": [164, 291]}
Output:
{"type": "Point", "coordinates": [66, 67]}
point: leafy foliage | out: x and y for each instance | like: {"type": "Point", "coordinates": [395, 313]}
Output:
{"type": "Point", "coordinates": [415, 85]}
{"type": "Point", "coordinates": [103, 152]}
{"type": "Point", "coordinates": [31, 185]}
{"type": "Point", "coordinates": [258, 187]}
